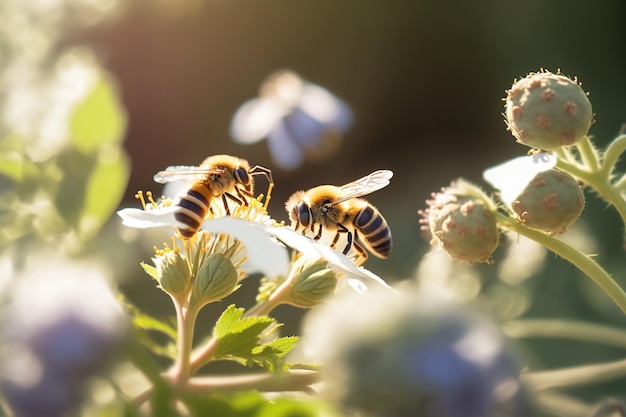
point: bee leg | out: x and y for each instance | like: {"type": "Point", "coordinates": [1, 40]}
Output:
{"type": "Point", "coordinates": [344, 229]}
{"type": "Point", "coordinates": [361, 252]}
{"type": "Point", "coordinates": [241, 202]}
{"type": "Point", "coordinates": [225, 204]}
{"type": "Point", "coordinates": [318, 236]}
{"type": "Point", "coordinates": [243, 194]}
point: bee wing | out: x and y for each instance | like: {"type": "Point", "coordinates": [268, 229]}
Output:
{"type": "Point", "coordinates": [366, 185]}
{"type": "Point", "coordinates": [184, 173]}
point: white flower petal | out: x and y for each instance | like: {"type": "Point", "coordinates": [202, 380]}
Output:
{"type": "Point", "coordinates": [511, 177]}
{"type": "Point", "coordinates": [264, 254]}
{"type": "Point", "coordinates": [144, 219]}
{"type": "Point", "coordinates": [255, 119]}
{"type": "Point", "coordinates": [355, 276]}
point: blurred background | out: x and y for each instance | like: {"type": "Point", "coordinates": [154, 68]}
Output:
{"type": "Point", "coordinates": [425, 82]}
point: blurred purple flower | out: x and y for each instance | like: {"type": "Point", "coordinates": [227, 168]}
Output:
{"type": "Point", "coordinates": [299, 119]}
{"type": "Point", "coordinates": [63, 324]}
{"type": "Point", "coordinates": [403, 355]}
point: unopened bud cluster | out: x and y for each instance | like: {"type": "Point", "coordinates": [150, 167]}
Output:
{"type": "Point", "coordinates": [461, 219]}
{"type": "Point", "coordinates": [212, 279]}
{"type": "Point", "coordinates": [547, 111]}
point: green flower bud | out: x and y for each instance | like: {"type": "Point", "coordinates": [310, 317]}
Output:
{"type": "Point", "coordinates": [461, 219]}
{"type": "Point", "coordinates": [313, 282]}
{"type": "Point", "coordinates": [552, 201]}
{"type": "Point", "coordinates": [547, 111]}
{"type": "Point", "coordinates": [172, 272]}
{"type": "Point", "coordinates": [216, 278]}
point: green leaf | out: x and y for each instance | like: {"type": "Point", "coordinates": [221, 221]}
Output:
{"type": "Point", "coordinates": [17, 167]}
{"type": "Point", "coordinates": [227, 320]}
{"type": "Point", "coordinates": [237, 336]}
{"type": "Point", "coordinates": [98, 119]}
{"type": "Point", "coordinates": [270, 354]}
{"type": "Point", "coordinates": [146, 322]}
{"type": "Point", "coordinates": [281, 346]}
{"type": "Point", "coordinates": [150, 270]}
{"type": "Point", "coordinates": [246, 404]}
{"type": "Point", "coordinates": [296, 407]}
{"type": "Point", "coordinates": [105, 189]}
{"type": "Point", "coordinates": [238, 339]}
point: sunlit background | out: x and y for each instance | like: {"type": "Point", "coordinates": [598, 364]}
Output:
{"type": "Point", "coordinates": [422, 82]}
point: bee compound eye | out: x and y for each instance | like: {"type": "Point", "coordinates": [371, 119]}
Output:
{"type": "Point", "coordinates": [304, 214]}
{"type": "Point", "coordinates": [241, 175]}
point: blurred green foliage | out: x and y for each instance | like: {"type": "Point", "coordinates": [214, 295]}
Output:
{"type": "Point", "coordinates": [67, 198]}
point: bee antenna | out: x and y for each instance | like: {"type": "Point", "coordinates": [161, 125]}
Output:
{"type": "Point", "coordinates": [258, 169]}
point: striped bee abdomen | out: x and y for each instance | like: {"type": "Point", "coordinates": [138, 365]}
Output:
{"type": "Point", "coordinates": [193, 206]}
{"type": "Point", "coordinates": [374, 229]}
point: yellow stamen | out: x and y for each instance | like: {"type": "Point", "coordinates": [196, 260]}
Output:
{"type": "Point", "coordinates": [150, 199]}
{"type": "Point", "coordinates": [139, 196]}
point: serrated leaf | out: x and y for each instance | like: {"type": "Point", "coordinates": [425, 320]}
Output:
{"type": "Point", "coordinates": [98, 119]}
{"type": "Point", "coordinates": [269, 355]}
{"type": "Point", "coordinates": [244, 336]}
{"type": "Point", "coordinates": [282, 345]}
{"type": "Point", "coordinates": [229, 317]}
{"type": "Point", "coordinates": [238, 339]}
{"type": "Point", "coordinates": [150, 270]}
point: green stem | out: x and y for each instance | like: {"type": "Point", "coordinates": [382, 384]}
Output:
{"type": "Point", "coordinates": [599, 179]}
{"type": "Point", "coordinates": [564, 154]}
{"type": "Point", "coordinates": [575, 376]}
{"type": "Point", "coordinates": [186, 315]}
{"type": "Point", "coordinates": [566, 329]}
{"type": "Point", "coordinates": [583, 262]}
{"type": "Point", "coordinates": [588, 154]}
{"type": "Point", "coordinates": [294, 380]}
{"type": "Point", "coordinates": [557, 404]}
{"type": "Point", "coordinates": [612, 154]}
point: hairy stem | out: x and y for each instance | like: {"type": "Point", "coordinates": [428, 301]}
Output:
{"type": "Point", "coordinates": [583, 262]}
{"type": "Point", "coordinates": [575, 376]}
{"type": "Point", "coordinates": [566, 329]}
{"type": "Point", "coordinates": [612, 154]}
{"type": "Point", "coordinates": [588, 154]}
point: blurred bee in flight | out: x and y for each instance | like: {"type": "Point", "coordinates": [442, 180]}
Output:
{"type": "Point", "coordinates": [299, 119]}
{"type": "Point", "coordinates": [338, 211]}
{"type": "Point", "coordinates": [220, 180]}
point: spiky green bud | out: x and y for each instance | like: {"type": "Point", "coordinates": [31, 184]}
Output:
{"type": "Point", "coordinates": [552, 201]}
{"type": "Point", "coordinates": [172, 272]}
{"type": "Point", "coordinates": [461, 219]}
{"type": "Point", "coordinates": [216, 278]}
{"type": "Point", "coordinates": [313, 282]}
{"type": "Point", "coordinates": [547, 111]}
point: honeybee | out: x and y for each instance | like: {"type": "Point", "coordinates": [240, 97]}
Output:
{"type": "Point", "coordinates": [338, 210]}
{"type": "Point", "coordinates": [219, 176]}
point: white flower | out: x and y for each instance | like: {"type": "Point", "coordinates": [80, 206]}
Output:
{"type": "Point", "coordinates": [266, 255]}
{"type": "Point", "coordinates": [512, 177]}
